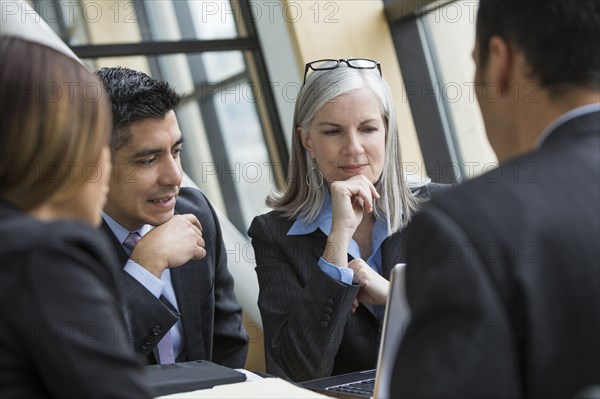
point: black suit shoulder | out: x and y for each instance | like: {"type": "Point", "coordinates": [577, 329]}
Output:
{"type": "Point", "coordinates": [37, 244]}
{"type": "Point", "coordinates": [275, 223]}
{"type": "Point", "coordinates": [191, 200]}
{"type": "Point", "coordinates": [513, 251]}
{"type": "Point", "coordinates": [545, 186]}
{"type": "Point", "coordinates": [59, 313]}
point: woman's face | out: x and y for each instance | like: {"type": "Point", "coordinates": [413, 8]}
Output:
{"type": "Point", "coordinates": [89, 201]}
{"type": "Point", "coordinates": [347, 137]}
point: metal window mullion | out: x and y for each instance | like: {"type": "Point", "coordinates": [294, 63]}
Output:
{"type": "Point", "coordinates": [278, 154]}
{"type": "Point", "coordinates": [429, 116]}
{"type": "Point", "coordinates": [435, 76]}
{"type": "Point", "coordinates": [208, 113]}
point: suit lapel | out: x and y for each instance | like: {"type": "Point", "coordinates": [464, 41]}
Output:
{"type": "Point", "coordinates": [187, 281]}
{"type": "Point", "coordinates": [392, 253]}
{"type": "Point", "coordinates": [186, 275]}
{"type": "Point", "coordinates": [319, 240]}
{"type": "Point", "coordinates": [119, 252]}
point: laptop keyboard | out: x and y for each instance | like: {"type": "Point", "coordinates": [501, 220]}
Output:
{"type": "Point", "coordinates": [364, 387]}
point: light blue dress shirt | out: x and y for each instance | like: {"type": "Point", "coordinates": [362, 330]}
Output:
{"type": "Point", "coordinates": [157, 286]}
{"type": "Point", "coordinates": [323, 222]}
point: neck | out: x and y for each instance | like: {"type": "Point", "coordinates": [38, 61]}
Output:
{"type": "Point", "coordinates": [54, 211]}
{"type": "Point", "coordinates": [125, 222]}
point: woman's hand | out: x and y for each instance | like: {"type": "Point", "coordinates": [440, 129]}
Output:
{"type": "Point", "coordinates": [373, 287]}
{"type": "Point", "coordinates": [350, 200]}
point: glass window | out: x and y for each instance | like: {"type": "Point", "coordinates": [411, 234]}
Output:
{"type": "Point", "coordinates": [94, 22]}
{"type": "Point", "coordinates": [451, 35]}
{"type": "Point", "coordinates": [233, 138]}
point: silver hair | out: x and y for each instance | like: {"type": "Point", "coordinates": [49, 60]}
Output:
{"type": "Point", "coordinates": [303, 195]}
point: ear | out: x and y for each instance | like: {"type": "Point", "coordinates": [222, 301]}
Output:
{"type": "Point", "coordinates": [305, 140]}
{"type": "Point", "coordinates": [499, 65]}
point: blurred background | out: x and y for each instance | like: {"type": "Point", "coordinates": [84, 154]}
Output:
{"type": "Point", "coordinates": [240, 66]}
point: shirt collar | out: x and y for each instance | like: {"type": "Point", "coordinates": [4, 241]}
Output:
{"type": "Point", "coordinates": [121, 232]}
{"type": "Point", "coordinates": [572, 114]}
{"type": "Point", "coordinates": [323, 222]}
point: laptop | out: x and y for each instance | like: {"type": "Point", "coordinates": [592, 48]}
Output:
{"type": "Point", "coordinates": [166, 379]}
{"type": "Point", "coordinates": [374, 383]}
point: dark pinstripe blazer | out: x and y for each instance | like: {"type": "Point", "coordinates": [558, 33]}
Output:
{"type": "Point", "coordinates": [309, 329]}
{"type": "Point", "coordinates": [210, 315]}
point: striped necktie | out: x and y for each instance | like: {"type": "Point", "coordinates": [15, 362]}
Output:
{"type": "Point", "coordinates": [131, 241]}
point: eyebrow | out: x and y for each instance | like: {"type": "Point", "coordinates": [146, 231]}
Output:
{"type": "Point", "coordinates": [338, 125]}
{"type": "Point", "coordinates": [368, 121]}
{"type": "Point", "coordinates": [151, 151]}
{"type": "Point", "coordinates": [330, 124]}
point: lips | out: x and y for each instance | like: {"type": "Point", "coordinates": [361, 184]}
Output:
{"type": "Point", "coordinates": [167, 201]}
{"type": "Point", "coordinates": [355, 168]}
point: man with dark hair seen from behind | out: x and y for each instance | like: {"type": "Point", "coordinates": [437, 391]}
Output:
{"type": "Point", "coordinates": [509, 305]}
{"type": "Point", "coordinates": [178, 293]}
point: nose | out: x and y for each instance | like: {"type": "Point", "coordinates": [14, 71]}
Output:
{"type": "Point", "coordinates": [171, 172]}
{"type": "Point", "coordinates": [353, 145]}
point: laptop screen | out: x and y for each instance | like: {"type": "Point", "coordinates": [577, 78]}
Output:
{"type": "Point", "coordinates": [395, 322]}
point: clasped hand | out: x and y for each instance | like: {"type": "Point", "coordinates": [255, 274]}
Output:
{"type": "Point", "coordinates": [373, 287]}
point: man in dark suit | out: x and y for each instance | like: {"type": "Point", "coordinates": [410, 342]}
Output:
{"type": "Point", "coordinates": [503, 272]}
{"type": "Point", "coordinates": [178, 294]}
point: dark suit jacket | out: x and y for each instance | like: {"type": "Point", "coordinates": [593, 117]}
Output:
{"type": "Point", "coordinates": [503, 279]}
{"type": "Point", "coordinates": [309, 329]}
{"type": "Point", "coordinates": [210, 315]}
{"type": "Point", "coordinates": [61, 327]}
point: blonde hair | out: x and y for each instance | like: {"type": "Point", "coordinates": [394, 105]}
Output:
{"type": "Point", "coordinates": [55, 120]}
{"type": "Point", "coordinates": [300, 197]}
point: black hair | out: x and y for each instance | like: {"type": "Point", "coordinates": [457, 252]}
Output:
{"type": "Point", "coordinates": [135, 96]}
{"type": "Point", "coordinates": [559, 38]}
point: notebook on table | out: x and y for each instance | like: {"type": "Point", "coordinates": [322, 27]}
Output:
{"type": "Point", "coordinates": [189, 376]}
{"type": "Point", "coordinates": [369, 383]}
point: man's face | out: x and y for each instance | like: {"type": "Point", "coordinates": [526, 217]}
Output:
{"type": "Point", "coordinates": [147, 174]}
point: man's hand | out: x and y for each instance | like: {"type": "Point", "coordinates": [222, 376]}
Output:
{"type": "Point", "coordinates": [170, 245]}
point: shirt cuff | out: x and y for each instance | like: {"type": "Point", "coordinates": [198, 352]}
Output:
{"type": "Point", "coordinates": [145, 278]}
{"type": "Point", "coordinates": [343, 274]}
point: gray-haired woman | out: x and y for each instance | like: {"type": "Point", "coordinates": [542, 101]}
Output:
{"type": "Point", "coordinates": [325, 252]}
